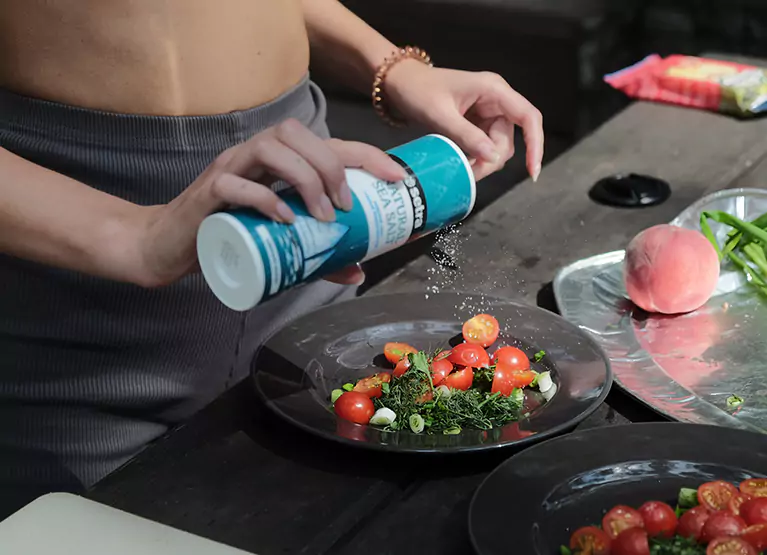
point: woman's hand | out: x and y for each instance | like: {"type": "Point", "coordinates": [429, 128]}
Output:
{"type": "Point", "coordinates": [241, 176]}
{"type": "Point", "coordinates": [477, 110]}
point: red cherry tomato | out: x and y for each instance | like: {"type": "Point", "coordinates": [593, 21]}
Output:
{"type": "Point", "coordinates": [736, 503]}
{"type": "Point", "coordinates": [691, 523]}
{"type": "Point", "coordinates": [756, 535]}
{"type": "Point", "coordinates": [506, 379]}
{"type": "Point", "coordinates": [395, 351]}
{"type": "Point", "coordinates": [445, 353]}
{"type": "Point", "coordinates": [355, 407]}
{"type": "Point", "coordinates": [470, 355]}
{"type": "Point", "coordinates": [621, 518]}
{"type": "Point", "coordinates": [481, 330]}
{"type": "Point", "coordinates": [440, 368]}
{"type": "Point", "coordinates": [590, 540]}
{"type": "Point", "coordinates": [428, 396]}
{"type": "Point", "coordinates": [755, 487]}
{"type": "Point", "coordinates": [754, 511]}
{"type": "Point", "coordinates": [632, 541]}
{"type": "Point", "coordinates": [722, 524]}
{"type": "Point", "coordinates": [401, 367]}
{"type": "Point", "coordinates": [460, 379]}
{"type": "Point", "coordinates": [372, 385]}
{"type": "Point", "coordinates": [715, 496]}
{"type": "Point", "coordinates": [730, 546]}
{"type": "Point", "coordinates": [512, 357]}
{"type": "Point", "coordinates": [659, 519]}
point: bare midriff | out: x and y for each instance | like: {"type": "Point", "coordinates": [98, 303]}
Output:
{"type": "Point", "coordinates": [155, 57]}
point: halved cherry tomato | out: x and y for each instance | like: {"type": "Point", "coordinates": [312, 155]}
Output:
{"type": "Point", "coordinates": [659, 519]}
{"type": "Point", "coordinates": [754, 511]}
{"type": "Point", "coordinates": [735, 504]}
{"type": "Point", "coordinates": [506, 379]}
{"type": "Point", "coordinates": [632, 541]}
{"type": "Point", "coordinates": [372, 385]}
{"type": "Point", "coordinates": [481, 330]}
{"type": "Point", "coordinates": [395, 351]}
{"type": "Point", "coordinates": [401, 367]}
{"type": "Point", "coordinates": [756, 535]}
{"type": "Point", "coordinates": [716, 495]}
{"type": "Point", "coordinates": [621, 518]}
{"type": "Point", "coordinates": [590, 540]}
{"type": "Point", "coordinates": [755, 487]}
{"type": "Point", "coordinates": [428, 396]}
{"type": "Point", "coordinates": [440, 368]}
{"type": "Point", "coordinates": [691, 523]}
{"type": "Point", "coordinates": [467, 354]}
{"type": "Point", "coordinates": [354, 407]}
{"type": "Point", "coordinates": [460, 379]}
{"type": "Point", "coordinates": [722, 524]}
{"type": "Point", "coordinates": [513, 357]}
{"type": "Point", "coordinates": [730, 546]}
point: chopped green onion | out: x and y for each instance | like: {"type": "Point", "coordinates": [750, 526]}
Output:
{"type": "Point", "coordinates": [348, 386]}
{"type": "Point", "coordinates": [539, 356]}
{"type": "Point", "coordinates": [383, 417]}
{"type": "Point", "coordinates": [564, 550]}
{"type": "Point", "coordinates": [416, 423]}
{"type": "Point", "coordinates": [455, 430]}
{"type": "Point", "coordinates": [335, 394]}
{"type": "Point", "coordinates": [544, 382]}
{"type": "Point", "coordinates": [518, 395]}
{"type": "Point", "coordinates": [733, 401]}
{"type": "Point", "coordinates": [688, 498]}
{"type": "Point", "coordinates": [443, 391]}
{"type": "Point", "coordinates": [385, 388]}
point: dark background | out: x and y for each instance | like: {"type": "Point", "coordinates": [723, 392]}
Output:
{"type": "Point", "coordinates": [554, 52]}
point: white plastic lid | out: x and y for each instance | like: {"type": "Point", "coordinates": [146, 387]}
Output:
{"type": "Point", "coordinates": [230, 261]}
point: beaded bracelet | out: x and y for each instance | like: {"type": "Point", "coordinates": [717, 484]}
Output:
{"type": "Point", "coordinates": [407, 53]}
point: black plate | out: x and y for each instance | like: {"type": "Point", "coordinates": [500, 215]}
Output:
{"type": "Point", "coordinates": [300, 365]}
{"type": "Point", "coordinates": [540, 496]}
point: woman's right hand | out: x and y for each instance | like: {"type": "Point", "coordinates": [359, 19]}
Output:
{"type": "Point", "coordinates": [241, 176]}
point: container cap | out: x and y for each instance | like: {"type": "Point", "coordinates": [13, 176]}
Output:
{"type": "Point", "coordinates": [230, 261]}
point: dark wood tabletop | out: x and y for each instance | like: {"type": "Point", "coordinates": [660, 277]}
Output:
{"type": "Point", "coordinates": [240, 476]}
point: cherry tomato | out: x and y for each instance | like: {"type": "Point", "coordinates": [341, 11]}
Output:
{"type": "Point", "coordinates": [722, 524]}
{"type": "Point", "coordinates": [460, 379]}
{"type": "Point", "coordinates": [467, 354]}
{"type": "Point", "coordinates": [659, 519]}
{"type": "Point", "coordinates": [730, 546]}
{"type": "Point", "coordinates": [716, 495]}
{"type": "Point", "coordinates": [513, 357]}
{"type": "Point", "coordinates": [481, 330]}
{"type": "Point", "coordinates": [736, 503]}
{"type": "Point", "coordinates": [395, 351]}
{"type": "Point", "coordinates": [621, 518]}
{"type": "Point", "coordinates": [445, 353]}
{"type": "Point", "coordinates": [756, 535]}
{"type": "Point", "coordinates": [372, 385]}
{"type": "Point", "coordinates": [755, 487]}
{"type": "Point", "coordinates": [506, 379]}
{"type": "Point", "coordinates": [428, 396]}
{"type": "Point", "coordinates": [754, 511]}
{"type": "Point", "coordinates": [401, 367]}
{"type": "Point", "coordinates": [590, 540]}
{"type": "Point", "coordinates": [355, 407]}
{"type": "Point", "coordinates": [632, 541]}
{"type": "Point", "coordinates": [691, 523]}
{"type": "Point", "coordinates": [440, 368]}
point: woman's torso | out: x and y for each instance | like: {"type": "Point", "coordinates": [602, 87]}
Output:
{"type": "Point", "coordinates": [158, 57]}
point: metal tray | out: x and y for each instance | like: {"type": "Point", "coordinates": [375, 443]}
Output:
{"type": "Point", "coordinates": [685, 367]}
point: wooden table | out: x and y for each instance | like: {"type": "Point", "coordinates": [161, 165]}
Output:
{"type": "Point", "coordinates": [237, 475]}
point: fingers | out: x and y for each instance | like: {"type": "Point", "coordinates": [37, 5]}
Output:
{"type": "Point", "coordinates": [470, 138]}
{"type": "Point", "coordinates": [501, 132]}
{"type": "Point", "coordinates": [236, 190]}
{"type": "Point", "coordinates": [369, 158]}
{"type": "Point", "coordinates": [352, 275]}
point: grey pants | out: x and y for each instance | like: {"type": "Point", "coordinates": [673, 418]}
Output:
{"type": "Point", "coordinates": [92, 370]}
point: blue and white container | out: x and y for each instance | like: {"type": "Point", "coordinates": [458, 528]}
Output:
{"type": "Point", "coordinates": [247, 258]}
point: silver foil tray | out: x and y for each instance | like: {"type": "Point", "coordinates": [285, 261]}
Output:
{"type": "Point", "coordinates": [685, 367]}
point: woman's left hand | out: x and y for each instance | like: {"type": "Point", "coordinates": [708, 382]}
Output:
{"type": "Point", "coordinates": [477, 110]}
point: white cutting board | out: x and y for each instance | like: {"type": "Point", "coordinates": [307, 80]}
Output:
{"type": "Point", "coordinates": [64, 524]}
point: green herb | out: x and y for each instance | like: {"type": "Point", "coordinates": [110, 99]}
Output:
{"type": "Point", "coordinates": [539, 356]}
{"type": "Point", "coordinates": [385, 388]}
{"type": "Point", "coordinates": [733, 401]}
{"type": "Point", "coordinates": [688, 498]}
{"type": "Point", "coordinates": [564, 550]}
{"type": "Point", "coordinates": [335, 394]}
{"type": "Point", "coordinates": [677, 545]}
{"type": "Point", "coordinates": [348, 386]}
{"type": "Point", "coordinates": [484, 376]}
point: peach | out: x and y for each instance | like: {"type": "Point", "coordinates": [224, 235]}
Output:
{"type": "Point", "coordinates": [670, 269]}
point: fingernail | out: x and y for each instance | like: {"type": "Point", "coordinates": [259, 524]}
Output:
{"type": "Point", "coordinates": [345, 197]}
{"type": "Point", "coordinates": [326, 209]}
{"type": "Point", "coordinates": [489, 154]}
{"type": "Point", "coordinates": [284, 213]}
{"type": "Point", "coordinates": [536, 173]}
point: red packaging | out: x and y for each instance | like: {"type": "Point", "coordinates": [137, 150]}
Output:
{"type": "Point", "coordinates": [695, 82]}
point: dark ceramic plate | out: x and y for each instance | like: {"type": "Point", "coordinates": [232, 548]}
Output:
{"type": "Point", "coordinates": [298, 367]}
{"type": "Point", "coordinates": [537, 498]}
